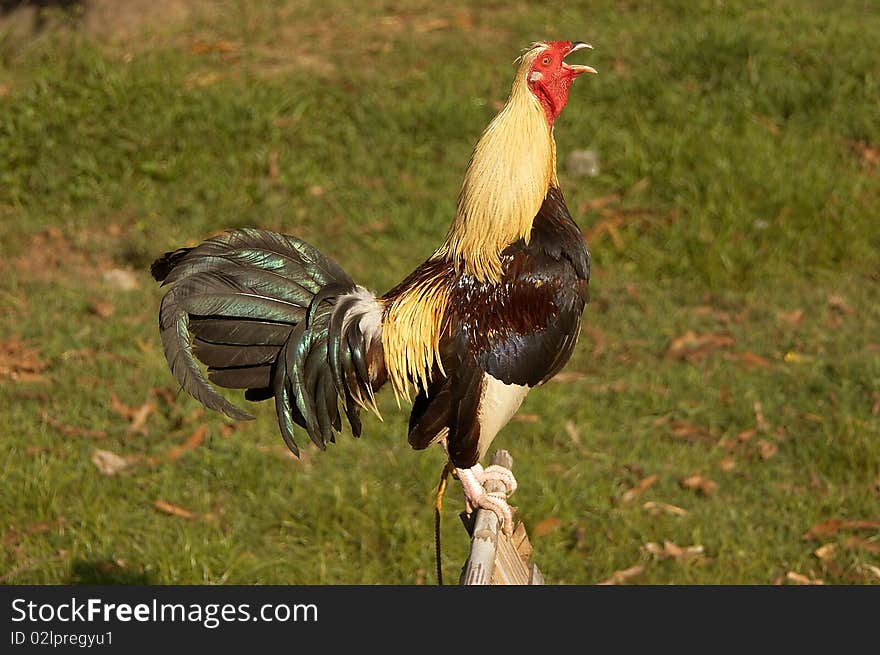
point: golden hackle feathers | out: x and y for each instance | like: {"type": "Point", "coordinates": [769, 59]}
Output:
{"type": "Point", "coordinates": [411, 330]}
{"type": "Point", "coordinates": [512, 166]}
{"type": "Point", "coordinates": [510, 171]}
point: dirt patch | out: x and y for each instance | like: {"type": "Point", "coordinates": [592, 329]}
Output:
{"type": "Point", "coordinates": [274, 38]}
{"type": "Point", "coordinates": [110, 20]}
{"type": "Point", "coordinates": [51, 255]}
{"type": "Point", "coordinates": [19, 362]}
{"type": "Point", "coordinates": [115, 20]}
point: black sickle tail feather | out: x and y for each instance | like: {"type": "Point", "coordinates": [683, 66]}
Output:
{"type": "Point", "coordinates": [270, 314]}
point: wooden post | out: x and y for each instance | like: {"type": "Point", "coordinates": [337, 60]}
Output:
{"type": "Point", "coordinates": [494, 557]}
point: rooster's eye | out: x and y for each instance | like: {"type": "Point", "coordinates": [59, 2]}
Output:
{"type": "Point", "coordinates": [546, 61]}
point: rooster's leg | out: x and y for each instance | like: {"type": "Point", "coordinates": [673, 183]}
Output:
{"type": "Point", "coordinates": [478, 498]}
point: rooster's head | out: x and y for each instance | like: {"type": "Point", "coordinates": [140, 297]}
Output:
{"type": "Point", "coordinates": [514, 163]}
{"type": "Point", "coordinates": [549, 77]}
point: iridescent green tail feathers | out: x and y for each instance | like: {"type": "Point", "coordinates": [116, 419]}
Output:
{"type": "Point", "coordinates": [271, 314]}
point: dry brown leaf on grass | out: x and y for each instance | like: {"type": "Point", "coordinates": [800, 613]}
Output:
{"type": "Point", "coordinates": [748, 359]}
{"type": "Point", "coordinates": [120, 407]}
{"type": "Point", "coordinates": [111, 566]}
{"type": "Point", "coordinates": [597, 337]}
{"type": "Point", "coordinates": [227, 429]}
{"type": "Point", "coordinates": [172, 510]}
{"type": "Point", "coordinates": [813, 418]}
{"type": "Point", "coordinates": [869, 568]}
{"type": "Point", "coordinates": [620, 68]}
{"type": "Point", "coordinates": [793, 318]}
{"type": "Point", "coordinates": [137, 415]}
{"type": "Point", "coordinates": [857, 543]}
{"type": "Point", "coordinates": [547, 526]}
{"type": "Point", "coordinates": [464, 20]}
{"type": "Point", "coordinates": [575, 435]}
{"type": "Point", "coordinates": [109, 463]}
{"type": "Point", "coordinates": [526, 418]}
{"type": "Point", "coordinates": [194, 416]}
{"type": "Point", "coordinates": [654, 507]}
{"type": "Point", "coordinates": [138, 421]}
{"type": "Point", "coordinates": [833, 526]}
{"type": "Point", "coordinates": [767, 123]}
{"type": "Point", "coordinates": [203, 47]}
{"type": "Point", "coordinates": [429, 25]}
{"type": "Point", "coordinates": [700, 484]}
{"type": "Point", "coordinates": [71, 430]}
{"type": "Point", "coordinates": [641, 487]}
{"type": "Point", "coordinates": [839, 304]}
{"type": "Point", "coordinates": [826, 552]}
{"type": "Point", "coordinates": [868, 153]}
{"type": "Point", "coordinates": [19, 362]}
{"type": "Point", "coordinates": [727, 464]}
{"type": "Point", "coordinates": [728, 444]}
{"type": "Point", "coordinates": [800, 578]}
{"type": "Point", "coordinates": [193, 441]}
{"type": "Point", "coordinates": [633, 292]}
{"type": "Point", "coordinates": [166, 394]}
{"type": "Point", "coordinates": [90, 354]}
{"type": "Point", "coordinates": [102, 308]}
{"type": "Point", "coordinates": [618, 386]}
{"type": "Point", "coordinates": [619, 577]}
{"type": "Point", "coordinates": [568, 376]}
{"type": "Point", "coordinates": [766, 449]}
{"type": "Point", "coordinates": [373, 227]}
{"type": "Point", "coordinates": [717, 314]}
{"type": "Point", "coordinates": [580, 537]}
{"type": "Point", "coordinates": [145, 346]}
{"type": "Point", "coordinates": [760, 420]}
{"type": "Point", "coordinates": [422, 25]}
{"type": "Point", "coordinates": [690, 431]}
{"type": "Point", "coordinates": [123, 279]}
{"type": "Point", "coordinates": [683, 429]}
{"type": "Point", "coordinates": [202, 79]}
{"type": "Point", "coordinates": [595, 204]}
{"type": "Point", "coordinates": [273, 168]}
{"type": "Point", "coordinates": [720, 315]}
{"type": "Point", "coordinates": [691, 346]}
{"type": "Point", "coordinates": [607, 226]}
{"type": "Point", "coordinates": [670, 549]}
{"type": "Point", "coordinates": [746, 435]}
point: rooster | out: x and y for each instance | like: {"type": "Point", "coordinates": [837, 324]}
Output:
{"type": "Point", "coordinates": [494, 312]}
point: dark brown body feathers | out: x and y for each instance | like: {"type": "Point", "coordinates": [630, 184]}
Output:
{"type": "Point", "coordinates": [520, 331]}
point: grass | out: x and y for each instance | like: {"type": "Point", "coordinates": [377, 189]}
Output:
{"type": "Point", "coordinates": [737, 199]}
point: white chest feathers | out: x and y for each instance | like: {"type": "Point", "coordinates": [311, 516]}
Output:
{"type": "Point", "coordinates": [498, 404]}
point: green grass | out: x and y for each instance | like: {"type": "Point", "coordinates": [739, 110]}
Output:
{"type": "Point", "coordinates": [736, 143]}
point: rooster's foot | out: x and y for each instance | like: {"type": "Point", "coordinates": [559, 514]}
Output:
{"type": "Point", "coordinates": [477, 497]}
{"type": "Point", "coordinates": [496, 472]}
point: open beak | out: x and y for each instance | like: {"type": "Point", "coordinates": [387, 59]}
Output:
{"type": "Point", "coordinates": [576, 69]}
